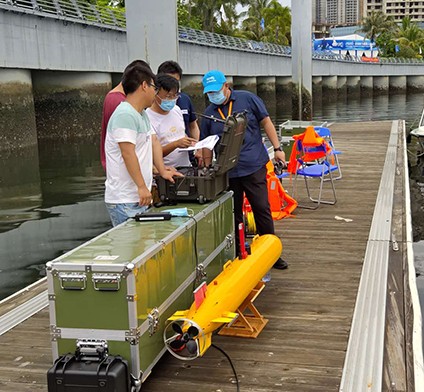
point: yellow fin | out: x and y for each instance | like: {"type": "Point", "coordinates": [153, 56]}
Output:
{"type": "Point", "coordinates": [226, 317]}
{"type": "Point", "coordinates": [178, 314]}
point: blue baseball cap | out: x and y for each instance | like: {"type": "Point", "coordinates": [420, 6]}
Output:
{"type": "Point", "coordinates": [213, 81]}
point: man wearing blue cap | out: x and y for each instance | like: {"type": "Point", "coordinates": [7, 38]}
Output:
{"type": "Point", "coordinates": [249, 175]}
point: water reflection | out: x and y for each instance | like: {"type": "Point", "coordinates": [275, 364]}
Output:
{"type": "Point", "coordinates": [381, 107]}
{"type": "Point", "coordinates": [20, 187]}
{"type": "Point", "coordinates": [51, 199]}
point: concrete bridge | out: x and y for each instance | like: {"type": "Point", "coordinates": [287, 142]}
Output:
{"type": "Point", "coordinates": [56, 58]}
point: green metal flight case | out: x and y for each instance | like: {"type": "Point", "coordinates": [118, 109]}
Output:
{"type": "Point", "coordinates": [116, 291]}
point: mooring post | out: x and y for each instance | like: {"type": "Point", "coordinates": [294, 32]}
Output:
{"type": "Point", "coordinates": [301, 32]}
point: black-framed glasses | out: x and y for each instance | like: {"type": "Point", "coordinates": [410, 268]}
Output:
{"type": "Point", "coordinates": [154, 86]}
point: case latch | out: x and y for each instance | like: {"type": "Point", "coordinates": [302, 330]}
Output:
{"type": "Point", "coordinates": [106, 282]}
{"type": "Point", "coordinates": [153, 318]}
{"type": "Point", "coordinates": [72, 280]}
{"type": "Point", "coordinates": [200, 274]}
{"type": "Point", "coordinates": [229, 240]}
{"type": "Point", "coordinates": [91, 349]}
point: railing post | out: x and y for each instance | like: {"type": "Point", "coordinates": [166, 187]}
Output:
{"type": "Point", "coordinates": [35, 5]}
{"type": "Point", "coordinates": [96, 12]}
{"type": "Point", "coordinates": [77, 9]}
{"type": "Point", "coordinates": [113, 17]}
{"type": "Point", "coordinates": [58, 7]}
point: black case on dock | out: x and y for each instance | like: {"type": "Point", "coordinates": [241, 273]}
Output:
{"type": "Point", "coordinates": [206, 184]}
{"type": "Point", "coordinates": [71, 374]}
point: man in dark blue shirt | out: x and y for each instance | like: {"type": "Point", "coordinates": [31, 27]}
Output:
{"type": "Point", "coordinates": [249, 175]}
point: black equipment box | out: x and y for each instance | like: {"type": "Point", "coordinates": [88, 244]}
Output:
{"type": "Point", "coordinates": [206, 184]}
{"type": "Point", "coordinates": [72, 374]}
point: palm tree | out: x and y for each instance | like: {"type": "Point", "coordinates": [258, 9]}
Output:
{"type": "Point", "coordinates": [375, 24]}
{"type": "Point", "coordinates": [410, 35]}
{"type": "Point", "coordinates": [252, 28]}
{"type": "Point", "coordinates": [209, 11]}
{"type": "Point", "coordinates": [227, 20]}
{"type": "Point", "coordinates": [277, 23]}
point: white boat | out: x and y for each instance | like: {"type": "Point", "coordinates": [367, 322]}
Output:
{"type": "Point", "coordinates": [418, 132]}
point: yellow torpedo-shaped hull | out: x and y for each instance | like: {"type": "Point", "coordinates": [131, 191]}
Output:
{"type": "Point", "coordinates": [230, 288]}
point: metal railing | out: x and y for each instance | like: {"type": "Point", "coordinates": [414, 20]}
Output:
{"type": "Point", "coordinates": [79, 11]}
{"type": "Point", "coordinates": [207, 38]}
{"type": "Point", "coordinates": [72, 11]}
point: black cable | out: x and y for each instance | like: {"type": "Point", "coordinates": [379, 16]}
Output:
{"type": "Point", "coordinates": [195, 249]}
{"type": "Point", "coordinates": [231, 363]}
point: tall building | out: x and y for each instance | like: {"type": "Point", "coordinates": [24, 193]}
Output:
{"type": "Point", "coordinates": [397, 9]}
{"type": "Point", "coordinates": [338, 12]}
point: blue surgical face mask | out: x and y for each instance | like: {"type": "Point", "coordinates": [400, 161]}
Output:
{"type": "Point", "coordinates": [217, 97]}
{"type": "Point", "coordinates": [179, 212]}
{"type": "Point", "coordinates": [167, 104]}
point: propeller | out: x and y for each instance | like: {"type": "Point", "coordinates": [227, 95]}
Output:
{"type": "Point", "coordinates": [184, 339]}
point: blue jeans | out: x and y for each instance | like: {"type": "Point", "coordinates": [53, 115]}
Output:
{"type": "Point", "coordinates": [120, 212]}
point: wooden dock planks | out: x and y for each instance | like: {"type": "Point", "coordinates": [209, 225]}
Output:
{"type": "Point", "coordinates": [310, 305]}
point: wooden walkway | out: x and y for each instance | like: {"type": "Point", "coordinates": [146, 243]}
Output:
{"type": "Point", "coordinates": [309, 306]}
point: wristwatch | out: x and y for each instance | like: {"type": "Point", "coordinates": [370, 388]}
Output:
{"type": "Point", "coordinates": [278, 149]}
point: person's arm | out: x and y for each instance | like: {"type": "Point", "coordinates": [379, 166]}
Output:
{"type": "Point", "coordinates": [133, 167]}
{"type": "Point", "coordinates": [194, 130]}
{"type": "Point", "coordinates": [270, 131]}
{"type": "Point", "coordinates": [184, 142]}
{"type": "Point", "coordinates": [207, 156]}
{"type": "Point", "coordinates": [166, 173]}
{"type": "Point", "coordinates": [195, 134]}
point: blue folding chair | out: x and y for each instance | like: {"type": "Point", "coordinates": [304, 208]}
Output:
{"type": "Point", "coordinates": [326, 135]}
{"type": "Point", "coordinates": [321, 169]}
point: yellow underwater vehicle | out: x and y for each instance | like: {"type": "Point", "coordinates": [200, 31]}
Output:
{"type": "Point", "coordinates": [189, 332]}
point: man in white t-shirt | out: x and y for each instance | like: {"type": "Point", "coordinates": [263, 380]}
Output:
{"type": "Point", "coordinates": [130, 152]}
{"type": "Point", "coordinates": [168, 122]}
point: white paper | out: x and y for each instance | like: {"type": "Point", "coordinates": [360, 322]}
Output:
{"type": "Point", "coordinates": [208, 143]}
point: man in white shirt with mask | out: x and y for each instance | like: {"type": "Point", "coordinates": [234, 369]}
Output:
{"type": "Point", "coordinates": [130, 150]}
{"type": "Point", "coordinates": [167, 122]}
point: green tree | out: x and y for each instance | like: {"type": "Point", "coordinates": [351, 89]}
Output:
{"type": "Point", "coordinates": [251, 25]}
{"type": "Point", "coordinates": [406, 52]}
{"type": "Point", "coordinates": [185, 18]}
{"type": "Point", "coordinates": [376, 23]}
{"type": "Point", "coordinates": [410, 36]}
{"type": "Point", "coordinates": [209, 13]}
{"type": "Point", "coordinates": [228, 20]}
{"type": "Point", "coordinates": [386, 44]}
{"type": "Point", "coordinates": [277, 23]}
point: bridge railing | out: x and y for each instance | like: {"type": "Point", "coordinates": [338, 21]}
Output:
{"type": "Point", "coordinates": [73, 11]}
{"type": "Point", "coordinates": [207, 38]}
{"type": "Point", "coordinates": [79, 11]}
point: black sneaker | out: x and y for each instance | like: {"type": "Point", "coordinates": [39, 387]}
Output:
{"type": "Point", "coordinates": [281, 264]}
